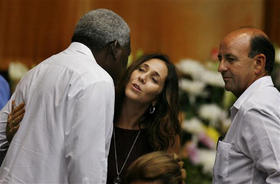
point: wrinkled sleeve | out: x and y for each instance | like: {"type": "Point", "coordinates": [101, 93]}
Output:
{"type": "Point", "coordinates": [18, 97]}
{"type": "Point", "coordinates": [261, 139]}
{"type": "Point", "coordinates": [88, 132]}
{"type": "Point", "coordinates": [3, 122]}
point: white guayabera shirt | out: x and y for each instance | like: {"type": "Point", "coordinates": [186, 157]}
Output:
{"type": "Point", "coordinates": [250, 151]}
{"type": "Point", "coordinates": [65, 134]}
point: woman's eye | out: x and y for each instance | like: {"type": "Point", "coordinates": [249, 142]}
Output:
{"type": "Point", "coordinates": [141, 69]}
{"type": "Point", "coordinates": [155, 80]}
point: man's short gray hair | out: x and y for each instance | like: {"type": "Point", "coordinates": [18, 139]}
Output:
{"type": "Point", "coordinates": [100, 27]}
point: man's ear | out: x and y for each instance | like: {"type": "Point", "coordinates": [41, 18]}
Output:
{"type": "Point", "coordinates": [115, 49]}
{"type": "Point", "coordinates": [260, 61]}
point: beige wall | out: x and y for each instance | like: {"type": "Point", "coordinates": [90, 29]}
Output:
{"type": "Point", "coordinates": [32, 30]}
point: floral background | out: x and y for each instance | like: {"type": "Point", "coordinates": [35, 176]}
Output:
{"type": "Point", "coordinates": [204, 104]}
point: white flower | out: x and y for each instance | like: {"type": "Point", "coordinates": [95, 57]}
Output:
{"type": "Point", "coordinates": [191, 67]}
{"type": "Point", "coordinates": [192, 87]}
{"type": "Point", "coordinates": [211, 112]}
{"type": "Point", "coordinates": [193, 125]}
{"type": "Point", "coordinates": [212, 78]}
{"type": "Point", "coordinates": [206, 159]}
{"type": "Point", "coordinates": [16, 70]}
{"type": "Point", "coordinates": [200, 73]}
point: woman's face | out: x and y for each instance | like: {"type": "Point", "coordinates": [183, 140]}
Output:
{"type": "Point", "coordinates": [147, 81]}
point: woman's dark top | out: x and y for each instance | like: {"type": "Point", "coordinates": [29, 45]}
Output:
{"type": "Point", "coordinates": [124, 141]}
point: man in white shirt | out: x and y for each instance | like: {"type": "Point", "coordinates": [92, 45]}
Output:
{"type": "Point", "coordinates": [250, 151]}
{"type": "Point", "coordinates": [65, 134]}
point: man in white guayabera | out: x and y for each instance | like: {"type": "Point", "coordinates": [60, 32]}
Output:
{"type": "Point", "coordinates": [250, 151]}
{"type": "Point", "coordinates": [65, 134]}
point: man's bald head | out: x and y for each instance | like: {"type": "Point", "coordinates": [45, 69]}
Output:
{"type": "Point", "coordinates": [258, 43]}
{"type": "Point", "coordinates": [252, 32]}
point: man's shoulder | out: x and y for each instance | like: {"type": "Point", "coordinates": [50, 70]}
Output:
{"type": "Point", "coordinates": [83, 65]}
{"type": "Point", "coordinates": [266, 99]}
{"type": "Point", "coordinates": [265, 95]}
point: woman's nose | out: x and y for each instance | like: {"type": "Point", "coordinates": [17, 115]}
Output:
{"type": "Point", "coordinates": [142, 78]}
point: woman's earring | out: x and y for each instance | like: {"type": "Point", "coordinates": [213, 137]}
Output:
{"type": "Point", "coordinates": [152, 109]}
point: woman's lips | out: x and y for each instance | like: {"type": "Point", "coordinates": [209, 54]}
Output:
{"type": "Point", "coordinates": [136, 86]}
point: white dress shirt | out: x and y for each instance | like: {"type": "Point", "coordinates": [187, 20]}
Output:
{"type": "Point", "coordinates": [250, 151]}
{"type": "Point", "coordinates": [65, 134]}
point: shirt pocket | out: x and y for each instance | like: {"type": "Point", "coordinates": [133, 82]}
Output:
{"type": "Point", "coordinates": [222, 160]}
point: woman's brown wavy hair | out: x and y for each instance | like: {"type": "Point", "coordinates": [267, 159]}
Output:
{"type": "Point", "coordinates": [163, 125]}
{"type": "Point", "coordinates": [159, 167]}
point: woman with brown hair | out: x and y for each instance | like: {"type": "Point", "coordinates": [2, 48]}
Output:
{"type": "Point", "coordinates": [156, 168]}
{"type": "Point", "coordinates": [146, 113]}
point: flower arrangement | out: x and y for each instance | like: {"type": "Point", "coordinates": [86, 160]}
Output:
{"type": "Point", "coordinates": [204, 105]}
{"type": "Point", "coordinates": [276, 69]}
{"type": "Point", "coordinates": [16, 71]}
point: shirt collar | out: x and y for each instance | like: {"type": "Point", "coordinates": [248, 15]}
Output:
{"type": "Point", "coordinates": [79, 47]}
{"type": "Point", "coordinates": [259, 83]}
